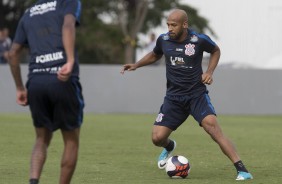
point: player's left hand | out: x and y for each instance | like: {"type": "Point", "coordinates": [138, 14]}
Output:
{"type": "Point", "coordinates": [65, 72]}
{"type": "Point", "coordinates": [207, 78]}
{"type": "Point", "coordinates": [22, 97]}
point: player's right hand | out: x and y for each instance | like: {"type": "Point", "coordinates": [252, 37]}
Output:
{"type": "Point", "coordinates": [65, 72]}
{"type": "Point", "coordinates": [128, 67]}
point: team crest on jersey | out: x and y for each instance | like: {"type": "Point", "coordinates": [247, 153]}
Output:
{"type": "Point", "coordinates": [190, 49]}
{"type": "Point", "coordinates": [194, 38]}
{"type": "Point", "coordinates": [165, 37]}
{"type": "Point", "coordinates": [160, 117]}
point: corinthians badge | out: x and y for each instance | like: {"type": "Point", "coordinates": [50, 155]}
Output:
{"type": "Point", "coordinates": [190, 49]}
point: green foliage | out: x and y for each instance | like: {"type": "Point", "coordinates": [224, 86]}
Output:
{"type": "Point", "coordinates": [101, 38]}
{"type": "Point", "coordinates": [99, 43]}
{"type": "Point", "coordinates": [156, 13]}
{"type": "Point", "coordinates": [117, 149]}
{"type": "Point", "coordinates": [11, 11]}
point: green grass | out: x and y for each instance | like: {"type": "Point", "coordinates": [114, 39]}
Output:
{"type": "Point", "coordinates": [117, 149]}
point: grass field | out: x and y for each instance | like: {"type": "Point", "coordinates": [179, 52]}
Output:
{"type": "Point", "coordinates": [117, 149]}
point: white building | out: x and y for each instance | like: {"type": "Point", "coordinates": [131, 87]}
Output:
{"type": "Point", "coordinates": [249, 31]}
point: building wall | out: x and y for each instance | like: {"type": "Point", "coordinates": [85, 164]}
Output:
{"type": "Point", "coordinates": [246, 31]}
{"type": "Point", "coordinates": [234, 91]}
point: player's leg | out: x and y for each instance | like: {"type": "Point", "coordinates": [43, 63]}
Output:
{"type": "Point", "coordinates": [160, 138]}
{"type": "Point", "coordinates": [160, 135]}
{"type": "Point", "coordinates": [171, 116]}
{"type": "Point", "coordinates": [203, 111]}
{"type": "Point", "coordinates": [212, 127]}
{"type": "Point", "coordinates": [41, 114]}
{"type": "Point", "coordinates": [70, 154]}
{"type": "Point", "coordinates": [68, 115]}
{"type": "Point", "coordinates": [39, 153]}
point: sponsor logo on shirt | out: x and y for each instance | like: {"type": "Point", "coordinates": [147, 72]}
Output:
{"type": "Point", "coordinates": [49, 57]}
{"type": "Point", "coordinates": [40, 9]}
{"type": "Point", "coordinates": [179, 50]}
{"type": "Point", "coordinates": [52, 70]}
{"type": "Point", "coordinates": [177, 60]}
{"type": "Point", "coordinates": [190, 49]}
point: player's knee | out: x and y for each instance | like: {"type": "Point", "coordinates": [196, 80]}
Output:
{"type": "Point", "coordinates": [158, 140]}
{"type": "Point", "coordinates": [71, 164]}
{"type": "Point", "coordinates": [214, 130]}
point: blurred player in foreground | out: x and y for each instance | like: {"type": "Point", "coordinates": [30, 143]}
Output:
{"type": "Point", "coordinates": [53, 91]}
{"type": "Point", "coordinates": [186, 88]}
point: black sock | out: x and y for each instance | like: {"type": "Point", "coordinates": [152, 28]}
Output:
{"type": "Point", "coordinates": [33, 181]}
{"type": "Point", "coordinates": [170, 145]}
{"type": "Point", "coordinates": [240, 166]}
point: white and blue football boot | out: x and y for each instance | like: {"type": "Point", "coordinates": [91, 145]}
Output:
{"type": "Point", "coordinates": [164, 156]}
{"type": "Point", "coordinates": [244, 176]}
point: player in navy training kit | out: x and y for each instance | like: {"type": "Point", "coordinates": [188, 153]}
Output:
{"type": "Point", "coordinates": [186, 88]}
{"type": "Point", "coordinates": [53, 91]}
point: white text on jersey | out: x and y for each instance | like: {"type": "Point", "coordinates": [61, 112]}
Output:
{"type": "Point", "coordinates": [43, 8]}
{"type": "Point", "coordinates": [49, 57]}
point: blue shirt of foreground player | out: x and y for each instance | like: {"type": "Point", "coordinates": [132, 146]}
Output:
{"type": "Point", "coordinates": [184, 62]}
{"type": "Point", "coordinates": [43, 35]}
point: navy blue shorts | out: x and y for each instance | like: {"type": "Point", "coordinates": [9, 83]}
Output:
{"type": "Point", "coordinates": [176, 109]}
{"type": "Point", "coordinates": [55, 104]}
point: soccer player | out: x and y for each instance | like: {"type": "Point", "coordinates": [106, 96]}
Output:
{"type": "Point", "coordinates": [186, 88]}
{"type": "Point", "coordinates": [53, 91]}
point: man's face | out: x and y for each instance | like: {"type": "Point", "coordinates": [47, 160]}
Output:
{"type": "Point", "coordinates": [175, 27]}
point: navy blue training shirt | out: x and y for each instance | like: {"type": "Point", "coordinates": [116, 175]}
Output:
{"type": "Point", "coordinates": [41, 29]}
{"type": "Point", "coordinates": [184, 62]}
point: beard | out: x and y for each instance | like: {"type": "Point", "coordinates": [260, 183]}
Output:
{"type": "Point", "coordinates": [176, 36]}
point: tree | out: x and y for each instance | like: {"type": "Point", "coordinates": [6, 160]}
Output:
{"type": "Point", "coordinates": [130, 17]}
{"type": "Point", "coordinates": [11, 11]}
{"type": "Point", "coordinates": [99, 41]}
{"type": "Point", "coordinates": [109, 28]}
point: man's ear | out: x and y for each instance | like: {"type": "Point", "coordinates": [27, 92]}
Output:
{"type": "Point", "coordinates": [185, 25]}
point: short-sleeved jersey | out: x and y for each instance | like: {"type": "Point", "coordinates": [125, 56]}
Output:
{"type": "Point", "coordinates": [184, 62]}
{"type": "Point", "coordinates": [40, 28]}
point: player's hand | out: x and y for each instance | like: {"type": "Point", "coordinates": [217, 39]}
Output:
{"type": "Point", "coordinates": [207, 78]}
{"type": "Point", "coordinates": [128, 67]}
{"type": "Point", "coordinates": [65, 72]}
{"type": "Point", "coordinates": [22, 97]}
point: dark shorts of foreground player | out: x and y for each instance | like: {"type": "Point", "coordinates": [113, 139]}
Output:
{"type": "Point", "coordinates": [176, 109]}
{"type": "Point", "coordinates": [55, 104]}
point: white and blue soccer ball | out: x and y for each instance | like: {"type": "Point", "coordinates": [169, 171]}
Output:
{"type": "Point", "coordinates": [177, 167]}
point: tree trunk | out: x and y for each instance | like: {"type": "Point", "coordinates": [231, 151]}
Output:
{"type": "Point", "coordinates": [129, 53]}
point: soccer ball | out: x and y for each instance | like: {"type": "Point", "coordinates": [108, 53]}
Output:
{"type": "Point", "coordinates": [177, 167]}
